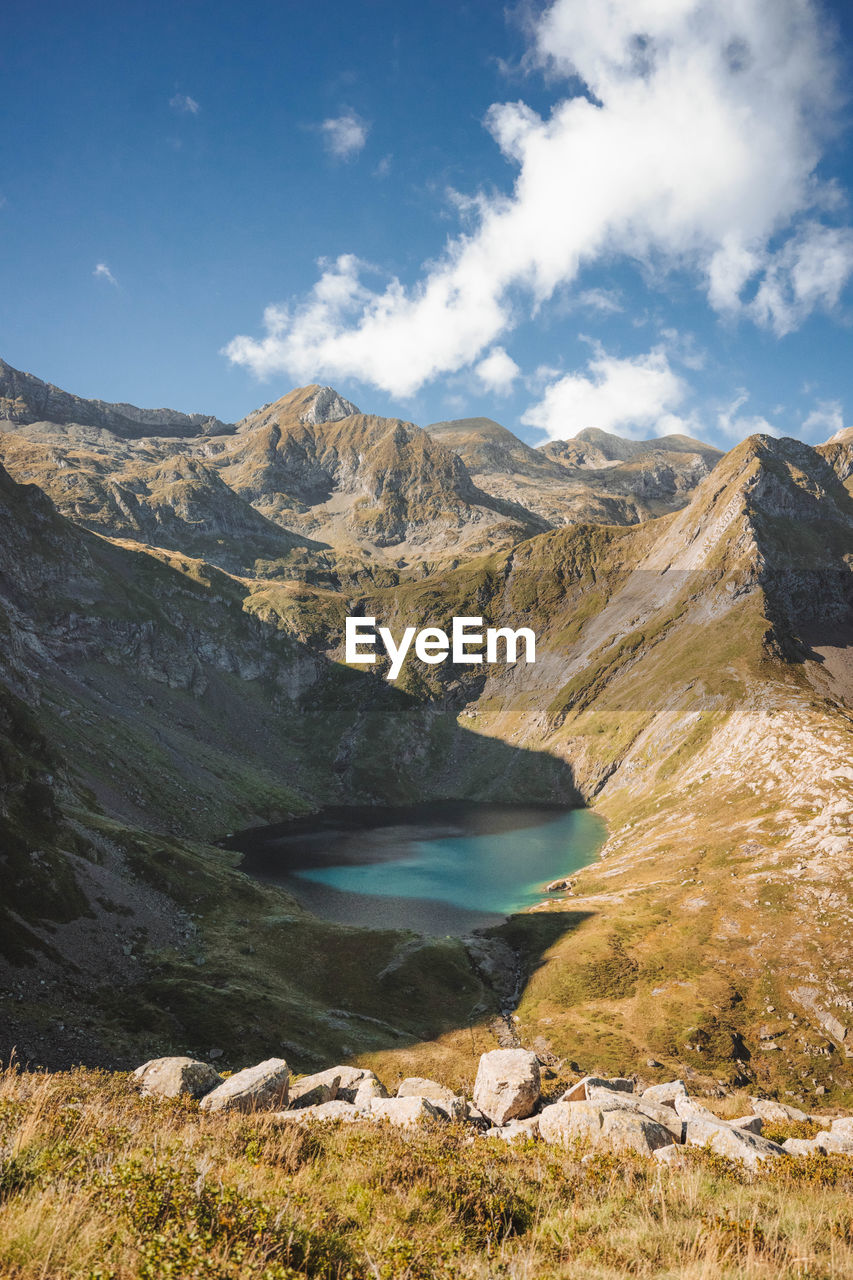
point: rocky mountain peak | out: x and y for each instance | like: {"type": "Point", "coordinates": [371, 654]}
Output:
{"type": "Point", "coordinates": [328, 406]}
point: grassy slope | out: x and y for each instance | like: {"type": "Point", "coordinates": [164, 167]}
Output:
{"type": "Point", "coordinates": [100, 1183]}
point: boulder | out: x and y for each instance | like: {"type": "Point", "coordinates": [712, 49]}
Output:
{"type": "Point", "coordinates": [612, 1128]}
{"type": "Point", "coordinates": [803, 1147]}
{"type": "Point", "coordinates": [751, 1149]}
{"type": "Point", "coordinates": [578, 1092]}
{"type": "Point", "coordinates": [348, 1078]}
{"type": "Point", "coordinates": [406, 1112]}
{"type": "Point", "coordinates": [672, 1156]}
{"type": "Point", "coordinates": [368, 1089]}
{"type": "Point", "coordinates": [607, 1100]}
{"type": "Point", "coordinates": [771, 1110]}
{"type": "Point", "coordinates": [507, 1085]}
{"type": "Point", "coordinates": [527, 1129]}
{"type": "Point", "coordinates": [309, 1092]}
{"type": "Point", "coordinates": [452, 1108]}
{"type": "Point", "coordinates": [174, 1077]}
{"type": "Point", "coordinates": [665, 1094]}
{"type": "Point", "coordinates": [689, 1109]}
{"type": "Point", "coordinates": [260, 1088]}
{"type": "Point", "coordinates": [843, 1125]}
{"type": "Point", "coordinates": [332, 1110]}
{"type": "Point", "coordinates": [837, 1140]}
{"type": "Point", "coordinates": [750, 1124]}
{"type": "Point", "coordinates": [419, 1087]}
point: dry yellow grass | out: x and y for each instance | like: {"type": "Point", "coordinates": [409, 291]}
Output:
{"type": "Point", "coordinates": [97, 1183]}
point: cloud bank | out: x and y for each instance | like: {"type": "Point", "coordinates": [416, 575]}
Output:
{"type": "Point", "coordinates": [693, 147]}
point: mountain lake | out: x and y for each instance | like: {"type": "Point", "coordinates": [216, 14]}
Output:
{"type": "Point", "coordinates": [440, 868]}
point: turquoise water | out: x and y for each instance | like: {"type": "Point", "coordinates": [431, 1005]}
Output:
{"type": "Point", "coordinates": [437, 868]}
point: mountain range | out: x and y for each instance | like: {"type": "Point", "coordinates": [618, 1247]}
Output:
{"type": "Point", "coordinates": [172, 608]}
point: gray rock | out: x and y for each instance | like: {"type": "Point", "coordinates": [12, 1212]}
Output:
{"type": "Point", "coordinates": [507, 1085]}
{"type": "Point", "coordinates": [405, 1112]}
{"type": "Point", "coordinates": [665, 1094]}
{"type": "Point", "coordinates": [332, 1110]}
{"type": "Point", "coordinates": [771, 1110]}
{"type": "Point", "coordinates": [672, 1156]}
{"type": "Point", "coordinates": [260, 1088]}
{"type": "Point", "coordinates": [607, 1128]}
{"type": "Point", "coordinates": [749, 1148]}
{"type": "Point", "coordinates": [311, 1092]}
{"type": "Point", "coordinates": [843, 1125]}
{"type": "Point", "coordinates": [803, 1147]}
{"type": "Point", "coordinates": [750, 1124]}
{"type": "Point", "coordinates": [453, 1108]}
{"type": "Point", "coordinates": [368, 1089]}
{"type": "Point", "coordinates": [689, 1109]}
{"type": "Point", "coordinates": [578, 1092]}
{"type": "Point", "coordinates": [172, 1077]}
{"type": "Point", "coordinates": [527, 1129]}
{"type": "Point", "coordinates": [666, 1116]}
{"type": "Point", "coordinates": [349, 1079]}
{"type": "Point", "coordinates": [419, 1087]}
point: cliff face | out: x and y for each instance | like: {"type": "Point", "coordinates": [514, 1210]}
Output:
{"type": "Point", "coordinates": [692, 680]}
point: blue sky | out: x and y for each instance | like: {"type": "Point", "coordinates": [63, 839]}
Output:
{"type": "Point", "coordinates": [633, 215]}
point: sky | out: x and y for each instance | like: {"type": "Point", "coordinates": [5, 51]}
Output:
{"type": "Point", "coordinates": [633, 215]}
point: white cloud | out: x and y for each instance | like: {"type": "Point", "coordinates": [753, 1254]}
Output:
{"type": "Point", "coordinates": [825, 420]}
{"type": "Point", "coordinates": [606, 301]}
{"type": "Point", "coordinates": [737, 426]}
{"type": "Point", "coordinates": [103, 272]}
{"type": "Point", "coordinates": [184, 103]}
{"type": "Point", "coordinates": [631, 396]}
{"type": "Point", "coordinates": [498, 371]}
{"type": "Point", "coordinates": [809, 272]}
{"type": "Point", "coordinates": [344, 135]}
{"type": "Point", "coordinates": [696, 149]}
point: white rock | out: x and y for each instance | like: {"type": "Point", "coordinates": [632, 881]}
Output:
{"type": "Point", "coordinates": [664, 1115]}
{"type": "Point", "coordinates": [406, 1112]}
{"type": "Point", "coordinates": [369, 1089]}
{"type": "Point", "coordinates": [260, 1088]}
{"type": "Point", "coordinates": [334, 1110]}
{"type": "Point", "coordinates": [578, 1092]}
{"type": "Point", "coordinates": [734, 1143]}
{"type": "Point", "coordinates": [665, 1094]}
{"type": "Point", "coordinates": [771, 1110]}
{"type": "Point", "coordinates": [608, 1128]}
{"type": "Point", "coordinates": [507, 1085]}
{"type": "Point", "coordinates": [750, 1124]}
{"type": "Point", "coordinates": [349, 1079]}
{"type": "Point", "coordinates": [672, 1156]}
{"type": "Point", "coordinates": [172, 1077]}
{"type": "Point", "coordinates": [419, 1087]}
{"type": "Point", "coordinates": [802, 1146]}
{"type": "Point", "coordinates": [843, 1125]}
{"type": "Point", "coordinates": [312, 1091]}
{"type": "Point", "coordinates": [526, 1129]}
{"type": "Point", "coordinates": [690, 1109]}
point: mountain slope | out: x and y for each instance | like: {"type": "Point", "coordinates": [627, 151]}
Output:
{"type": "Point", "coordinates": [26, 399]}
{"type": "Point", "coordinates": [594, 478]}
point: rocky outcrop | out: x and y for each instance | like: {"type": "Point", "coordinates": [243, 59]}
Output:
{"type": "Point", "coordinates": [580, 1092]}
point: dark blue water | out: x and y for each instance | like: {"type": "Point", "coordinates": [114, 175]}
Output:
{"type": "Point", "coordinates": [441, 868]}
